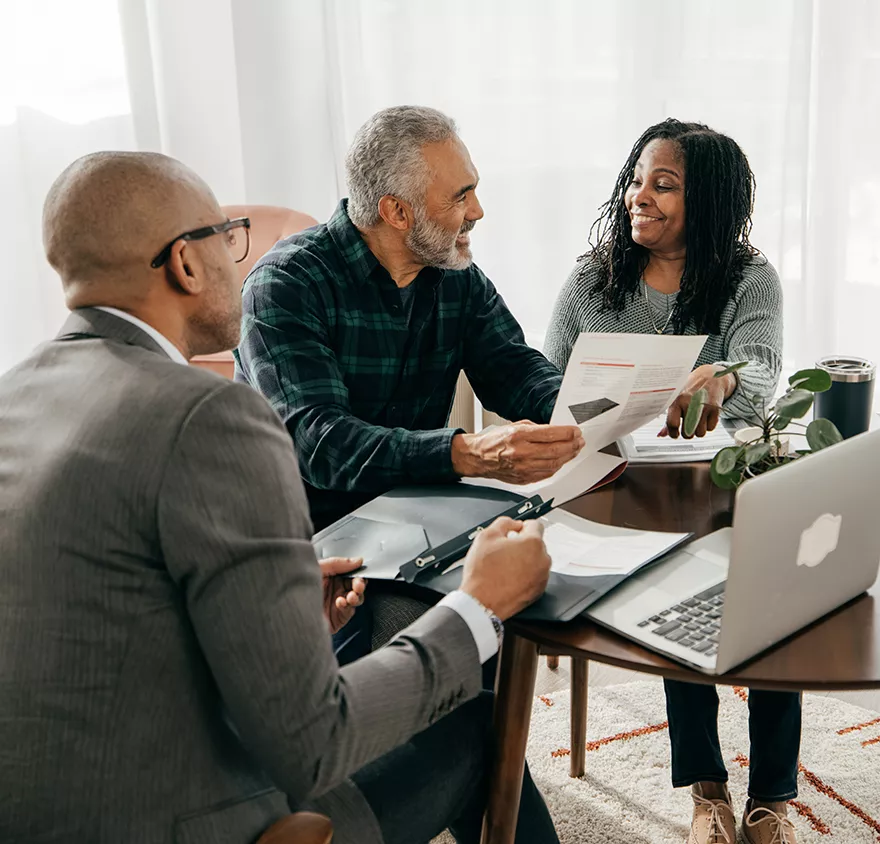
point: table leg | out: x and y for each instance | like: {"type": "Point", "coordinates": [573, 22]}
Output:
{"type": "Point", "coordinates": [580, 672]}
{"type": "Point", "coordinates": [553, 662]}
{"type": "Point", "coordinates": [513, 711]}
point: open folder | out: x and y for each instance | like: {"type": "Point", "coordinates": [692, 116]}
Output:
{"type": "Point", "coordinates": [613, 384]}
{"type": "Point", "coordinates": [422, 533]}
{"type": "Point", "coordinates": [588, 560]}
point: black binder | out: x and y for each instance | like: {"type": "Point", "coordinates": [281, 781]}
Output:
{"type": "Point", "coordinates": [425, 530]}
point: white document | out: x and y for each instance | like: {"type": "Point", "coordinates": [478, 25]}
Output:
{"type": "Point", "coordinates": [644, 446]}
{"type": "Point", "coordinates": [572, 480]}
{"type": "Point", "coordinates": [583, 548]}
{"type": "Point", "coordinates": [613, 384]}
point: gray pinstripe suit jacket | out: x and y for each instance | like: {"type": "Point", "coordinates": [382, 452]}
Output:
{"type": "Point", "coordinates": [165, 669]}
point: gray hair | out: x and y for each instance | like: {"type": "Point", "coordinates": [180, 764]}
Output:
{"type": "Point", "coordinates": [386, 158]}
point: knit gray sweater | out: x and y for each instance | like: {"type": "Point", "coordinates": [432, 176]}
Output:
{"type": "Point", "coordinates": [751, 326]}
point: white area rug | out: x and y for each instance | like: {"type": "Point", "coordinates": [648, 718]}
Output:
{"type": "Point", "coordinates": [626, 797]}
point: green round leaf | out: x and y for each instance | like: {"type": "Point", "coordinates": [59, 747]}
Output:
{"type": "Point", "coordinates": [724, 481]}
{"type": "Point", "coordinates": [781, 423]}
{"type": "Point", "coordinates": [694, 412]}
{"type": "Point", "coordinates": [726, 459]}
{"type": "Point", "coordinates": [758, 452]}
{"type": "Point", "coordinates": [821, 433]}
{"type": "Point", "coordinates": [794, 404]}
{"type": "Point", "coordinates": [814, 380]}
{"type": "Point", "coordinates": [731, 478]}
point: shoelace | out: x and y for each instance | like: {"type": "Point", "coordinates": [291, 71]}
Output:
{"type": "Point", "coordinates": [780, 828]}
{"type": "Point", "coordinates": [716, 826]}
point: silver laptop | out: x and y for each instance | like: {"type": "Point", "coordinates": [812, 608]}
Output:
{"type": "Point", "coordinates": [805, 540]}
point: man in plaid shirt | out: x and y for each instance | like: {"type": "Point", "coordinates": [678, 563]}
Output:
{"type": "Point", "coordinates": [356, 331]}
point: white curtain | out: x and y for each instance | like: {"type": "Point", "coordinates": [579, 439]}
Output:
{"type": "Point", "coordinates": [262, 98]}
{"type": "Point", "coordinates": [63, 94]}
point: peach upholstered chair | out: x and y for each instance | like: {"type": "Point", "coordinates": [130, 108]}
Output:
{"type": "Point", "coordinates": [269, 224]}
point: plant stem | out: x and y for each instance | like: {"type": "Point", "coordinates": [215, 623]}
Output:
{"type": "Point", "coordinates": [761, 415]}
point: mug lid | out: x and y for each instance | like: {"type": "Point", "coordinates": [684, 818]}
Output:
{"type": "Point", "coordinates": [847, 368]}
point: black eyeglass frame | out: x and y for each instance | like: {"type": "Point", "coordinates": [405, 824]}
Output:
{"type": "Point", "coordinates": [202, 233]}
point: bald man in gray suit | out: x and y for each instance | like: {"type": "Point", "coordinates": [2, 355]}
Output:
{"type": "Point", "coordinates": [166, 670]}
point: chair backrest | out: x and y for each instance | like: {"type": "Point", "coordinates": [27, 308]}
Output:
{"type": "Point", "coordinates": [301, 828]}
{"type": "Point", "coordinates": [269, 224]}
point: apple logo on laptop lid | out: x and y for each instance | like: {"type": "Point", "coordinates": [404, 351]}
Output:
{"type": "Point", "coordinates": [819, 540]}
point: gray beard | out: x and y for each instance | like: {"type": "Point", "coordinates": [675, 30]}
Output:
{"type": "Point", "coordinates": [432, 246]}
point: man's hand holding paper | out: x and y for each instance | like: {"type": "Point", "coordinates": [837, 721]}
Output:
{"type": "Point", "coordinates": [613, 384]}
{"type": "Point", "coordinates": [518, 453]}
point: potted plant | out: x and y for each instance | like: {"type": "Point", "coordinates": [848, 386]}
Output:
{"type": "Point", "coordinates": [764, 447]}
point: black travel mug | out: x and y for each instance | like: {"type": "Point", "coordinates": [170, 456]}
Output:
{"type": "Point", "coordinates": [850, 401]}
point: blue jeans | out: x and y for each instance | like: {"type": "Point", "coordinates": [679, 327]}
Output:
{"type": "Point", "coordinates": [774, 734]}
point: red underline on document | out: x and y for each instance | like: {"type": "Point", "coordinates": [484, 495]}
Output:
{"type": "Point", "coordinates": [601, 363]}
{"type": "Point", "coordinates": [646, 392]}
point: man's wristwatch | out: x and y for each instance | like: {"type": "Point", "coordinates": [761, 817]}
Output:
{"type": "Point", "coordinates": [497, 623]}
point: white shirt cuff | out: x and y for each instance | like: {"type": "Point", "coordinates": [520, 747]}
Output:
{"type": "Point", "coordinates": [479, 623]}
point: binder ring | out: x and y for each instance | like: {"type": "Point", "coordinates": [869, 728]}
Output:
{"type": "Point", "coordinates": [525, 508]}
{"type": "Point", "coordinates": [421, 562]}
{"type": "Point", "coordinates": [475, 532]}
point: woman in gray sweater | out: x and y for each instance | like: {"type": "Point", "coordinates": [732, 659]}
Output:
{"type": "Point", "coordinates": [653, 271]}
{"type": "Point", "coordinates": [671, 255]}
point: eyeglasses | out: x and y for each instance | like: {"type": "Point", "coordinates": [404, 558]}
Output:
{"type": "Point", "coordinates": [239, 244]}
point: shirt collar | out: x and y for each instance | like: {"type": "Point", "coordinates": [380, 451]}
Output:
{"type": "Point", "coordinates": [351, 244]}
{"type": "Point", "coordinates": [167, 346]}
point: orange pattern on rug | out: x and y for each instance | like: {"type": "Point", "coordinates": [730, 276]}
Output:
{"type": "Point", "coordinates": [629, 734]}
{"type": "Point", "coordinates": [832, 805]}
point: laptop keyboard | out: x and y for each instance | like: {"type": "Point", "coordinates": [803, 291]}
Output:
{"type": "Point", "coordinates": [694, 623]}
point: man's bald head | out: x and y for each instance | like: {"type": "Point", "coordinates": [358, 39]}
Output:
{"type": "Point", "coordinates": [109, 213]}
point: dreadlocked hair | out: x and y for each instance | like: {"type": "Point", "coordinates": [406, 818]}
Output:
{"type": "Point", "coordinates": [718, 197]}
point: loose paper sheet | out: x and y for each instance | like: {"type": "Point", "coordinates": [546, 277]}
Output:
{"type": "Point", "coordinates": [572, 480]}
{"type": "Point", "coordinates": [613, 385]}
{"type": "Point", "coordinates": [644, 446]}
{"type": "Point", "coordinates": [581, 548]}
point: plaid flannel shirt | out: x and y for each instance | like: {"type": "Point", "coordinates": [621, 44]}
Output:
{"type": "Point", "coordinates": [365, 393]}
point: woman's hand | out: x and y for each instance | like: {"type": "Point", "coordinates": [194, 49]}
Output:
{"type": "Point", "coordinates": [718, 389]}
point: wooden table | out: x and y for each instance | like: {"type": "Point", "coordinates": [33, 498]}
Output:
{"type": "Point", "coordinates": [841, 651]}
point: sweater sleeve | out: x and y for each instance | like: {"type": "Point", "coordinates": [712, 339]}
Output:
{"type": "Point", "coordinates": [755, 335]}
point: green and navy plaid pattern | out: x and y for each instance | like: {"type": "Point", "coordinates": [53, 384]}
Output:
{"type": "Point", "coordinates": [364, 392]}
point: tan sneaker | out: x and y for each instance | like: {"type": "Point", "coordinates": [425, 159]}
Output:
{"type": "Point", "coordinates": [714, 821]}
{"type": "Point", "coordinates": [768, 826]}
